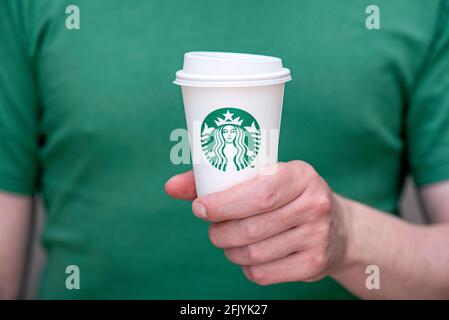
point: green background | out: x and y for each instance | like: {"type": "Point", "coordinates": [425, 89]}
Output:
{"type": "Point", "coordinates": [86, 115]}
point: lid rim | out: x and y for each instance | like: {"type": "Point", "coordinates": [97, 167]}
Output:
{"type": "Point", "coordinates": [230, 84]}
{"type": "Point", "coordinates": [231, 56]}
{"type": "Point", "coordinates": [183, 77]}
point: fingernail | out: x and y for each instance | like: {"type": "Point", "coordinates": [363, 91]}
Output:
{"type": "Point", "coordinates": [199, 209]}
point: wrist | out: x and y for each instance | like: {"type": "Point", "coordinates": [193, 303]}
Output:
{"type": "Point", "coordinates": [347, 228]}
{"type": "Point", "coordinates": [371, 237]}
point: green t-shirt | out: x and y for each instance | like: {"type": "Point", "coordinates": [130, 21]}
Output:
{"type": "Point", "coordinates": [86, 116]}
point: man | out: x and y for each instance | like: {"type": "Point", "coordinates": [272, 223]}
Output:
{"type": "Point", "coordinates": [87, 107]}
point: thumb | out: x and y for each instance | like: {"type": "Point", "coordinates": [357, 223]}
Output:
{"type": "Point", "coordinates": [181, 186]}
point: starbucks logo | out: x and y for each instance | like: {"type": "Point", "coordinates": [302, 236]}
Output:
{"type": "Point", "coordinates": [230, 139]}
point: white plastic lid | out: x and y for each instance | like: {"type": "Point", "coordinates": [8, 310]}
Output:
{"type": "Point", "coordinates": [224, 69]}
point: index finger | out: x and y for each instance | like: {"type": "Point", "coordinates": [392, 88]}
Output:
{"type": "Point", "coordinates": [261, 194]}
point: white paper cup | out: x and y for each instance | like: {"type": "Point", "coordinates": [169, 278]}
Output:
{"type": "Point", "coordinates": [233, 105]}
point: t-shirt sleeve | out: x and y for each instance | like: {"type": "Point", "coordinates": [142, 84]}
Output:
{"type": "Point", "coordinates": [18, 105]}
{"type": "Point", "coordinates": [427, 119]}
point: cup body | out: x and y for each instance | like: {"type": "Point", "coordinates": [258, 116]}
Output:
{"type": "Point", "coordinates": [233, 132]}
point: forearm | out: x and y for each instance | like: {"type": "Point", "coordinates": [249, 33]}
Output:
{"type": "Point", "coordinates": [15, 214]}
{"type": "Point", "coordinates": [413, 260]}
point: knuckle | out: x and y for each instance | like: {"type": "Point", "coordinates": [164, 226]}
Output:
{"type": "Point", "coordinates": [303, 166]}
{"type": "Point", "coordinates": [304, 171]}
{"type": "Point", "coordinates": [254, 253]}
{"type": "Point", "coordinates": [267, 195]}
{"type": "Point", "coordinates": [298, 164]}
{"type": "Point", "coordinates": [214, 212]}
{"type": "Point", "coordinates": [319, 262]}
{"type": "Point", "coordinates": [311, 174]}
{"type": "Point", "coordinates": [323, 202]}
{"type": "Point", "coordinates": [250, 230]}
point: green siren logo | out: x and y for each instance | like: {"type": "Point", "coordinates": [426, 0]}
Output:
{"type": "Point", "coordinates": [230, 139]}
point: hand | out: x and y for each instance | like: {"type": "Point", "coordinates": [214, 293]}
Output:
{"type": "Point", "coordinates": [281, 227]}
